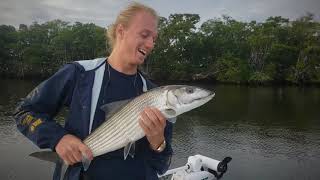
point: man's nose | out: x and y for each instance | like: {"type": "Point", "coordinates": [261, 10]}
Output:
{"type": "Point", "coordinates": [150, 43]}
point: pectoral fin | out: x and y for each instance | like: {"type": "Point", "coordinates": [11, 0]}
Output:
{"type": "Point", "coordinates": [170, 113]}
{"type": "Point", "coordinates": [112, 108]}
{"type": "Point", "coordinates": [85, 162]}
{"type": "Point", "coordinates": [129, 149]}
{"type": "Point", "coordinates": [172, 120]}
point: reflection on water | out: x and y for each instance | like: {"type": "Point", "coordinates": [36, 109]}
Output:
{"type": "Point", "coordinates": [271, 133]}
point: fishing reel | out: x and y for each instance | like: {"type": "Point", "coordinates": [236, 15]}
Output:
{"type": "Point", "coordinates": [200, 167]}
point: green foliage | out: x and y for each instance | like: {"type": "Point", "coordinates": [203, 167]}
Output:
{"type": "Point", "coordinates": [230, 69]}
{"type": "Point", "coordinates": [8, 39]}
{"type": "Point", "coordinates": [176, 48]}
{"type": "Point", "coordinates": [259, 78]}
{"type": "Point", "coordinates": [270, 70]}
{"type": "Point", "coordinates": [306, 69]}
{"type": "Point", "coordinates": [40, 49]}
{"type": "Point", "coordinates": [222, 49]}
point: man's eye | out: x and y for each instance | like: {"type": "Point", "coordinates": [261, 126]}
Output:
{"type": "Point", "coordinates": [144, 35]}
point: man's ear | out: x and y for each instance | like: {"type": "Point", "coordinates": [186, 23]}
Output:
{"type": "Point", "coordinates": [120, 31]}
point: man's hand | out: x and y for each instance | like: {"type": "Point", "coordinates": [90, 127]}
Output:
{"type": "Point", "coordinates": [153, 122]}
{"type": "Point", "coordinates": [70, 149]}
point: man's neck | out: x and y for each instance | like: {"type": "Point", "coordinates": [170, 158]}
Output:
{"type": "Point", "coordinates": [121, 65]}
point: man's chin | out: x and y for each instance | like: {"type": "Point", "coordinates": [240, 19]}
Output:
{"type": "Point", "coordinates": [140, 61]}
{"type": "Point", "coordinates": [137, 61]}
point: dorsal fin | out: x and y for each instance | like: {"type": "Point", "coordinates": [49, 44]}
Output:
{"type": "Point", "coordinates": [112, 108]}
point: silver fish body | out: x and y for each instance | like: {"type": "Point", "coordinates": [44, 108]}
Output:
{"type": "Point", "coordinates": [123, 127]}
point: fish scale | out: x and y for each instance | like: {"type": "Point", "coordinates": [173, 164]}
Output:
{"type": "Point", "coordinates": [123, 127]}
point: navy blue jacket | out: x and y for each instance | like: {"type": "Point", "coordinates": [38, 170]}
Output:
{"type": "Point", "coordinates": [72, 87]}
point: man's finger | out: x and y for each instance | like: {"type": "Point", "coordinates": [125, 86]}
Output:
{"type": "Point", "coordinates": [146, 120]}
{"type": "Point", "coordinates": [85, 151]}
{"type": "Point", "coordinates": [160, 116]}
{"type": "Point", "coordinates": [77, 155]}
{"type": "Point", "coordinates": [71, 159]}
{"type": "Point", "coordinates": [145, 128]}
{"type": "Point", "coordinates": [153, 117]}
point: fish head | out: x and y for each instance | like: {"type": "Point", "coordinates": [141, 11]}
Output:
{"type": "Point", "coordinates": [182, 98]}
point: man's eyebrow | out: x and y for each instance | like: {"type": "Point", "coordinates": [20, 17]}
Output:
{"type": "Point", "coordinates": [146, 30]}
{"type": "Point", "coordinates": [150, 32]}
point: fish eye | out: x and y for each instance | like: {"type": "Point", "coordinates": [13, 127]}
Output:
{"type": "Point", "coordinates": [189, 90]}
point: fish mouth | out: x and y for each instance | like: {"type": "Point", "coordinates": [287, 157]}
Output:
{"type": "Point", "coordinates": [210, 96]}
{"type": "Point", "coordinates": [205, 99]}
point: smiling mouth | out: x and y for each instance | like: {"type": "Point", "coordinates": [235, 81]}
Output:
{"type": "Point", "coordinates": [143, 52]}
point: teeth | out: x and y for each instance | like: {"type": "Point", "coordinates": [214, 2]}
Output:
{"type": "Point", "coordinates": [142, 51]}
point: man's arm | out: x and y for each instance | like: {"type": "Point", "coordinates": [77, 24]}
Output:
{"type": "Point", "coordinates": [34, 115]}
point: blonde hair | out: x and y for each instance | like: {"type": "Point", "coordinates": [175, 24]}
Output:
{"type": "Point", "coordinates": [125, 17]}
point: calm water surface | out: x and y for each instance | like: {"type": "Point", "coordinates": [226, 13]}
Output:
{"type": "Point", "coordinates": [270, 132]}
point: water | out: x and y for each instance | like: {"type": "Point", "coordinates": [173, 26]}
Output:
{"type": "Point", "coordinates": [270, 132]}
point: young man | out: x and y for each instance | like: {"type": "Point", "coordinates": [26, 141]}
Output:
{"type": "Point", "coordinates": [84, 86]}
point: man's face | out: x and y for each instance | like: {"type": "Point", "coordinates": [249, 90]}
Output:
{"type": "Point", "coordinates": [138, 38]}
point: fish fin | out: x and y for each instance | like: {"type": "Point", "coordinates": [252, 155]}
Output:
{"type": "Point", "coordinates": [47, 156]}
{"type": "Point", "coordinates": [132, 149]}
{"type": "Point", "coordinates": [129, 149]}
{"type": "Point", "coordinates": [112, 108]}
{"type": "Point", "coordinates": [170, 113]}
{"type": "Point", "coordinates": [85, 162]}
{"type": "Point", "coordinates": [61, 167]}
{"type": "Point", "coordinates": [172, 120]}
{"type": "Point", "coordinates": [58, 170]}
{"type": "Point", "coordinates": [64, 172]}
